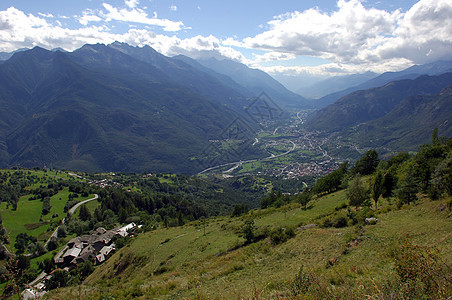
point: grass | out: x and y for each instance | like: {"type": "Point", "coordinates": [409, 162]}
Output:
{"type": "Point", "coordinates": [91, 205]}
{"type": "Point", "coordinates": [27, 216]}
{"type": "Point", "coordinates": [182, 262]}
{"type": "Point", "coordinates": [28, 212]}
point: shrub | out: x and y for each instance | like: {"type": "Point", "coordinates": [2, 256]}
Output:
{"type": "Point", "coordinates": [301, 282]}
{"type": "Point", "coordinates": [280, 235]}
{"type": "Point", "coordinates": [248, 231]}
{"type": "Point", "coordinates": [340, 222]}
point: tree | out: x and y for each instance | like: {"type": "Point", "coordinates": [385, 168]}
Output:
{"type": "Point", "coordinates": [180, 220]}
{"type": "Point", "coordinates": [389, 183]}
{"type": "Point", "coordinates": [22, 241]}
{"type": "Point", "coordinates": [435, 138]}
{"type": "Point", "coordinates": [60, 278]}
{"type": "Point", "coordinates": [442, 176]}
{"type": "Point", "coordinates": [46, 206]}
{"type": "Point", "coordinates": [407, 190]}
{"type": "Point", "coordinates": [304, 198]}
{"type": "Point", "coordinates": [367, 164]}
{"type": "Point", "coordinates": [356, 193]}
{"type": "Point", "coordinates": [239, 209]}
{"type": "Point", "coordinates": [47, 265]}
{"type": "Point", "coordinates": [331, 182]}
{"type": "Point", "coordinates": [377, 187]}
{"type": "Point", "coordinates": [52, 244]}
{"type": "Point", "coordinates": [122, 215]}
{"type": "Point", "coordinates": [84, 213]}
{"type": "Point", "coordinates": [248, 231]}
{"type": "Point", "coordinates": [85, 269]}
{"type": "Point", "coordinates": [62, 231]}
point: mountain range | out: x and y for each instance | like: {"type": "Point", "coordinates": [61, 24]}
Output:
{"type": "Point", "coordinates": [434, 68]}
{"type": "Point", "coordinates": [400, 114]}
{"type": "Point", "coordinates": [99, 109]}
{"type": "Point", "coordinates": [122, 108]}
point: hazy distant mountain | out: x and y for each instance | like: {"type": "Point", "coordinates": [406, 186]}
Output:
{"type": "Point", "coordinates": [257, 82]}
{"type": "Point", "coordinates": [8, 55]}
{"type": "Point", "coordinates": [435, 68]}
{"type": "Point", "coordinates": [371, 104]}
{"type": "Point", "coordinates": [99, 109]}
{"type": "Point", "coordinates": [334, 84]}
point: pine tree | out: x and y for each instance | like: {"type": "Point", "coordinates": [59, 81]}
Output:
{"type": "Point", "coordinates": [84, 213]}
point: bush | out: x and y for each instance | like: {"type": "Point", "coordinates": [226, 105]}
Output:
{"type": "Point", "coordinates": [360, 216]}
{"type": "Point", "coordinates": [340, 222]}
{"type": "Point", "coordinates": [280, 235]}
{"type": "Point", "coordinates": [301, 282]}
{"type": "Point", "coordinates": [248, 231]}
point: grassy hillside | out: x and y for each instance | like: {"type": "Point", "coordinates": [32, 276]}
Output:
{"type": "Point", "coordinates": [350, 262]}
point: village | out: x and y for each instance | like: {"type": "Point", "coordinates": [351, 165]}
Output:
{"type": "Point", "coordinates": [96, 247]}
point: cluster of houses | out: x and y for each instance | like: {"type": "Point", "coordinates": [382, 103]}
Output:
{"type": "Point", "coordinates": [97, 246]}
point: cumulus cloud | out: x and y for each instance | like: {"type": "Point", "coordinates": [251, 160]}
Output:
{"type": "Point", "coordinates": [173, 8]}
{"type": "Point", "coordinates": [357, 35]}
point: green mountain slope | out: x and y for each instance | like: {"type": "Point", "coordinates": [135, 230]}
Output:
{"type": "Point", "coordinates": [99, 109]}
{"type": "Point", "coordinates": [364, 106]}
{"type": "Point", "coordinates": [410, 123]}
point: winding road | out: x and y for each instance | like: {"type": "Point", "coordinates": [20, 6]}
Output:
{"type": "Point", "coordinates": [74, 208]}
{"type": "Point", "coordinates": [70, 212]}
{"type": "Point", "coordinates": [238, 163]}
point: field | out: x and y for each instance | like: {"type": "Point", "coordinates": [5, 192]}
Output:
{"type": "Point", "coordinates": [212, 261]}
{"type": "Point", "coordinates": [28, 218]}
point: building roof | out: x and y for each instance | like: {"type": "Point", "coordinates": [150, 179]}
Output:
{"type": "Point", "coordinates": [74, 252]}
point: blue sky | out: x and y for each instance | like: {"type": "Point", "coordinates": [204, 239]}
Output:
{"type": "Point", "coordinates": [286, 38]}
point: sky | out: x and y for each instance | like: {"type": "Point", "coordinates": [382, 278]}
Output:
{"type": "Point", "coordinates": [283, 37]}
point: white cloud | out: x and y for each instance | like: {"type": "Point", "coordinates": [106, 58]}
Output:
{"type": "Point", "coordinates": [45, 15]}
{"type": "Point", "coordinates": [131, 3]}
{"type": "Point", "coordinates": [337, 69]}
{"type": "Point", "coordinates": [173, 8]}
{"type": "Point", "coordinates": [354, 39]}
{"type": "Point", "coordinates": [132, 14]}
{"type": "Point", "coordinates": [357, 35]}
{"type": "Point", "coordinates": [137, 15]}
{"type": "Point", "coordinates": [88, 16]}
{"type": "Point", "coordinates": [273, 56]}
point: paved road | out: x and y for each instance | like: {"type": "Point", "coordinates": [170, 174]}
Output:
{"type": "Point", "coordinates": [70, 212]}
{"type": "Point", "coordinates": [74, 208]}
{"type": "Point", "coordinates": [248, 161]}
